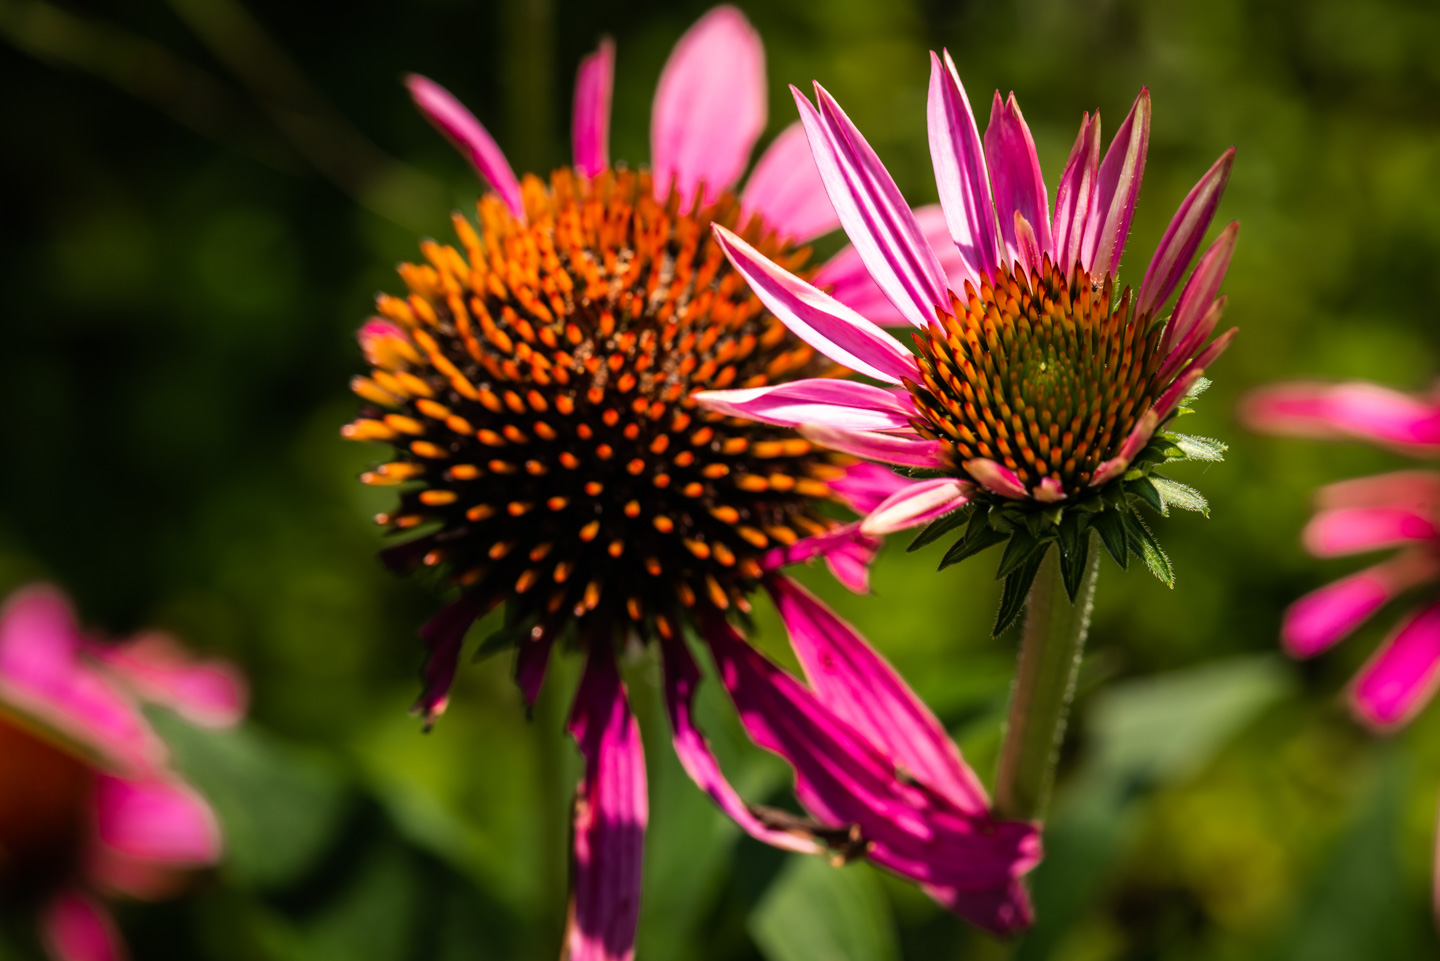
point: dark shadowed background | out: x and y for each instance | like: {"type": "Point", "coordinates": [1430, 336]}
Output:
{"type": "Point", "coordinates": [200, 202]}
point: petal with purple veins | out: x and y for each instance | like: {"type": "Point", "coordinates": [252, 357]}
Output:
{"type": "Point", "coordinates": [906, 451]}
{"type": "Point", "coordinates": [1015, 177]}
{"type": "Point", "coordinates": [958, 157]}
{"type": "Point", "coordinates": [1182, 238]}
{"type": "Point", "coordinates": [846, 404]}
{"type": "Point", "coordinates": [1118, 188]}
{"type": "Point", "coordinates": [920, 503]}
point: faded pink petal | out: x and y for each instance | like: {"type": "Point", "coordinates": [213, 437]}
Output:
{"type": "Point", "coordinates": [958, 157]}
{"type": "Point", "coordinates": [920, 503]}
{"type": "Point", "coordinates": [1182, 238]}
{"type": "Point", "coordinates": [1401, 677]}
{"type": "Point", "coordinates": [875, 216]}
{"type": "Point", "coordinates": [710, 107]}
{"type": "Point", "coordinates": [1117, 188]}
{"type": "Point", "coordinates": [1324, 616]}
{"type": "Point", "coordinates": [785, 189]}
{"type": "Point", "coordinates": [208, 693]}
{"type": "Point", "coordinates": [1186, 330]}
{"type": "Point", "coordinates": [1358, 409]}
{"type": "Point", "coordinates": [462, 129]}
{"type": "Point", "coordinates": [996, 478]}
{"type": "Point", "coordinates": [590, 122]}
{"type": "Point", "coordinates": [1418, 490]}
{"type": "Point", "coordinates": [846, 404]}
{"type": "Point", "coordinates": [1015, 176]}
{"type": "Point", "coordinates": [907, 451]}
{"type": "Point", "coordinates": [817, 318]}
{"type": "Point", "coordinates": [611, 811]}
{"type": "Point", "coordinates": [866, 485]}
{"type": "Point", "coordinates": [856, 289]}
{"type": "Point", "coordinates": [76, 927]}
{"type": "Point", "coordinates": [1075, 198]}
{"type": "Point", "coordinates": [1350, 530]}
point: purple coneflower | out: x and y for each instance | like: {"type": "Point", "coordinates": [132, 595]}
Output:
{"type": "Point", "coordinates": [89, 806]}
{"type": "Point", "coordinates": [536, 384]}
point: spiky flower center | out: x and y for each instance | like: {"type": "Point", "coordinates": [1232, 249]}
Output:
{"type": "Point", "coordinates": [537, 392]}
{"type": "Point", "coordinates": [44, 796]}
{"type": "Point", "coordinates": [1041, 373]}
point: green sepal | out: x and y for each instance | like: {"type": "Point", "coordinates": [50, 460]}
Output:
{"type": "Point", "coordinates": [1199, 448]}
{"type": "Point", "coordinates": [971, 544]}
{"type": "Point", "coordinates": [1111, 528]}
{"type": "Point", "coordinates": [1183, 496]}
{"type": "Point", "coordinates": [511, 635]}
{"type": "Point", "coordinates": [1143, 542]}
{"type": "Point", "coordinates": [1201, 385]}
{"type": "Point", "coordinates": [941, 526]}
{"type": "Point", "coordinates": [1142, 488]}
{"type": "Point", "coordinates": [1074, 551]}
{"type": "Point", "coordinates": [1022, 545]}
{"type": "Point", "coordinates": [1017, 589]}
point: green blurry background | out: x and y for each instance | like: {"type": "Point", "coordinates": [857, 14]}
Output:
{"type": "Point", "coordinates": [199, 204]}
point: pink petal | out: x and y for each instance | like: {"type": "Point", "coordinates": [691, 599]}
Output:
{"type": "Point", "coordinates": [1075, 198]}
{"type": "Point", "coordinates": [462, 129]}
{"type": "Point", "coordinates": [920, 503]}
{"type": "Point", "coordinates": [1030, 255]}
{"type": "Point", "coordinates": [1186, 331]}
{"type": "Point", "coordinates": [1324, 616]}
{"type": "Point", "coordinates": [1177, 390]}
{"type": "Point", "coordinates": [1351, 530]}
{"type": "Point", "coordinates": [817, 318]}
{"type": "Point", "coordinates": [682, 678]}
{"type": "Point", "coordinates": [43, 675]}
{"type": "Point", "coordinates": [1117, 189]}
{"type": "Point", "coordinates": [847, 551]}
{"type": "Point", "coordinates": [996, 478]}
{"type": "Point", "coordinates": [208, 693]}
{"type": "Point", "coordinates": [1138, 437]}
{"type": "Point", "coordinates": [846, 404]}
{"type": "Point", "coordinates": [964, 184]}
{"type": "Point", "coordinates": [76, 927]}
{"type": "Point", "coordinates": [874, 214]}
{"type": "Point", "coordinates": [1006, 910]}
{"type": "Point", "coordinates": [1362, 410]}
{"type": "Point", "coordinates": [444, 635]}
{"type": "Point", "coordinates": [155, 820]}
{"type": "Point", "coordinates": [1182, 238]}
{"type": "Point", "coordinates": [1401, 677]}
{"type": "Point", "coordinates": [1418, 490]}
{"type": "Point", "coordinates": [1015, 176]}
{"type": "Point", "coordinates": [861, 688]}
{"type": "Point", "coordinates": [710, 107]}
{"type": "Point", "coordinates": [785, 189]}
{"type": "Point", "coordinates": [866, 485]}
{"type": "Point", "coordinates": [912, 451]}
{"type": "Point", "coordinates": [590, 123]}
{"type": "Point", "coordinates": [1049, 491]}
{"type": "Point", "coordinates": [375, 337]}
{"type": "Point", "coordinates": [611, 811]}
{"type": "Point", "coordinates": [532, 660]}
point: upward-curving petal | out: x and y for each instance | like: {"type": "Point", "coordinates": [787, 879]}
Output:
{"type": "Point", "coordinates": [590, 122]}
{"type": "Point", "coordinates": [1075, 198]}
{"type": "Point", "coordinates": [1117, 188]}
{"type": "Point", "coordinates": [817, 318]}
{"type": "Point", "coordinates": [1182, 238]}
{"type": "Point", "coordinates": [1015, 177]}
{"type": "Point", "coordinates": [874, 214]}
{"type": "Point", "coordinates": [1185, 331]}
{"type": "Point", "coordinates": [855, 288]}
{"type": "Point", "coordinates": [710, 107]}
{"type": "Point", "coordinates": [469, 137]}
{"type": "Point", "coordinates": [785, 189]}
{"type": "Point", "coordinates": [958, 157]}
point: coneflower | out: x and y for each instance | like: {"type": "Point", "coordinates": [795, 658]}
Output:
{"type": "Point", "coordinates": [536, 382]}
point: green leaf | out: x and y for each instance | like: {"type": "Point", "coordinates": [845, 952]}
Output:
{"type": "Point", "coordinates": [941, 526]}
{"type": "Point", "coordinates": [813, 910]}
{"type": "Point", "coordinates": [1183, 496]}
{"type": "Point", "coordinates": [1143, 489]}
{"type": "Point", "coordinates": [1017, 589]}
{"type": "Point", "coordinates": [1074, 551]}
{"type": "Point", "coordinates": [1111, 528]}
{"type": "Point", "coordinates": [1022, 545]}
{"type": "Point", "coordinates": [1199, 448]}
{"type": "Point", "coordinates": [971, 545]}
{"type": "Point", "coordinates": [1143, 542]}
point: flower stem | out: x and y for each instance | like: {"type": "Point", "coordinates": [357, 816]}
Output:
{"type": "Point", "coordinates": [1050, 653]}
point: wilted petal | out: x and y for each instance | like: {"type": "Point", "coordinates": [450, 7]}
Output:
{"type": "Point", "coordinates": [710, 107]}
{"type": "Point", "coordinates": [907, 451]}
{"type": "Point", "coordinates": [1015, 176]}
{"type": "Point", "coordinates": [856, 289]}
{"type": "Point", "coordinates": [1365, 411]}
{"type": "Point", "coordinates": [958, 157]}
{"type": "Point", "coordinates": [1351, 530]}
{"type": "Point", "coordinates": [817, 318]}
{"type": "Point", "coordinates": [1401, 677]}
{"type": "Point", "coordinates": [1182, 238]}
{"type": "Point", "coordinates": [611, 811]}
{"type": "Point", "coordinates": [874, 214]}
{"type": "Point", "coordinates": [76, 927]}
{"type": "Point", "coordinates": [590, 123]}
{"type": "Point", "coordinates": [846, 404]}
{"type": "Point", "coordinates": [996, 478]}
{"type": "Point", "coordinates": [462, 129]}
{"type": "Point", "coordinates": [1075, 198]}
{"type": "Point", "coordinates": [785, 189]}
{"type": "Point", "coordinates": [1324, 616]}
{"type": "Point", "coordinates": [920, 503]}
{"type": "Point", "coordinates": [207, 693]}
{"type": "Point", "coordinates": [1117, 189]}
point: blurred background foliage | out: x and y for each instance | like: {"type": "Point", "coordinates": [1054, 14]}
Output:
{"type": "Point", "coordinates": [203, 199]}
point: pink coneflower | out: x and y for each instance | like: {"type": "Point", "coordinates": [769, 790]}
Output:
{"type": "Point", "coordinates": [1040, 391]}
{"type": "Point", "coordinates": [89, 807]}
{"type": "Point", "coordinates": [536, 384]}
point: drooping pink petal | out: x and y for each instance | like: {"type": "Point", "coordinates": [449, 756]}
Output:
{"type": "Point", "coordinates": [920, 503]}
{"type": "Point", "coordinates": [1182, 238]}
{"type": "Point", "coordinates": [1075, 198]}
{"type": "Point", "coordinates": [1401, 677]}
{"type": "Point", "coordinates": [846, 404]}
{"type": "Point", "coordinates": [590, 122]}
{"type": "Point", "coordinates": [1185, 332]}
{"type": "Point", "coordinates": [958, 157]}
{"type": "Point", "coordinates": [532, 659]}
{"type": "Point", "coordinates": [865, 485]}
{"type": "Point", "coordinates": [611, 811]}
{"type": "Point", "coordinates": [43, 674]}
{"type": "Point", "coordinates": [710, 107]}
{"type": "Point", "coordinates": [860, 687]}
{"type": "Point", "coordinates": [147, 829]}
{"type": "Point", "coordinates": [785, 189]}
{"type": "Point", "coordinates": [1351, 530]}
{"type": "Point", "coordinates": [76, 927]}
{"type": "Point", "coordinates": [907, 451]}
{"type": "Point", "coordinates": [682, 678]}
{"type": "Point", "coordinates": [817, 318]}
{"type": "Point", "coordinates": [874, 214]}
{"type": "Point", "coordinates": [1015, 177]}
{"type": "Point", "coordinates": [1005, 910]}
{"type": "Point", "coordinates": [1324, 616]}
{"type": "Point", "coordinates": [444, 635]}
{"type": "Point", "coordinates": [856, 289]}
{"type": "Point", "coordinates": [996, 478]}
{"type": "Point", "coordinates": [469, 137]}
{"type": "Point", "coordinates": [1419, 490]}
{"type": "Point", "coordinates": [847, 551]}
{"type": "Point", "coordinates": [1117, 188]}
{"type": "Point", "coordinates": [1358, 409]}
{"type": "Point", "coordinates": [208, 693]}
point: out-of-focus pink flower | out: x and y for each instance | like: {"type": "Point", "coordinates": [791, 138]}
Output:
{"type": "Point", "coordinates": [89, 806]}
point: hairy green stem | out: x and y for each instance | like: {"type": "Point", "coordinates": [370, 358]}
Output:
{"type": "Point", "coordinates": [1050, 653]}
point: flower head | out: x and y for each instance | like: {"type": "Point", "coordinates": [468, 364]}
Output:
{"type": "Point", "coordinates": [88, 803]}
{"type": "Point", "coordinates": [1038, 392]}
{"type": "Point", "coordinates": [536, 382]}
